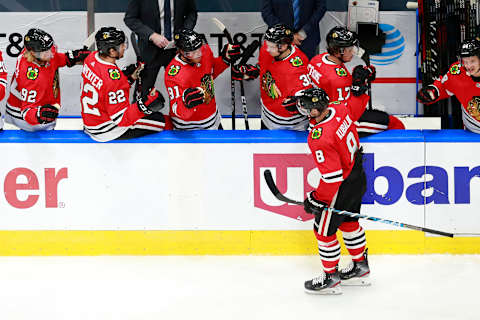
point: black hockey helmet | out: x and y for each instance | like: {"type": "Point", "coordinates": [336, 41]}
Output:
{"type": "Point", "coordinates": [313, 98]}
{"type": "Point", "coordinates": [188, 40]}
{"type": "Point", "coordinates": [469, 48]}
{"type": "Point", "coordinates": [279, 34]}
{"type": "Point", "coordinates": [341, 37]}
{"type": "Point", "coordinates": [109, 38]}
{"type": "Point", "coordinates": [37, 40]}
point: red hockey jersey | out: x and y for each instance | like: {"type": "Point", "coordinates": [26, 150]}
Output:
{"type": "Point", "coordinates": [180, 76]}
{"type": "Point", "coordinates": [3, 77]}
{"type": "Point", "coordinates": [457, 82]}
{"type": "Point", "coordinates": [105, 100]}
{"type": "Point", "coordinates": [333, 143]}
{"type": "Point", "coordinates": [331, 77]}
{"type": "Point", "coordinates": [33, 85]}
{"type": "Point", "coordinates": [278, 81]}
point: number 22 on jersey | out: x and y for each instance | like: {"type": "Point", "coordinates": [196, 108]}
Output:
{"type": "Point", "coordinates": [89, 102]}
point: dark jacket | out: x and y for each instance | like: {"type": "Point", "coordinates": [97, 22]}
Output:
{"type": "Point", "coordinates": [312, 11]}
{"type": "Point", "coordinates": [143, 18]}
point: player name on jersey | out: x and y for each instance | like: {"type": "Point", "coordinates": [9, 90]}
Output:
{"type": "Point", "coordinates": [342, 130]}
{"type": "Point", "coordinates": [92, 77]}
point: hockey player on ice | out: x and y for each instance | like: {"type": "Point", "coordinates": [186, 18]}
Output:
{"type": "Point", "coordinates": [461, 80]}
{"type": "Point", "coordinates": [34, 100]}
{"type": "Point", "coordinates": [328, 71]}
{"type": "Point", "coordinates": [335, 147]}
{"type": "Point", "coordinates": [189, 81]}
{"type": "Point", "coordinates": [105, 99]}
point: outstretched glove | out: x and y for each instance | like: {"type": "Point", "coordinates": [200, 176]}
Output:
{"type": "Point", "coordinates": [47, 114]}
{"type": "Point", "coordinates": [152, 102]}
{"type": "Point", "coordinates": [76, 56]}
{"type": "Point", "coordinates": [245, 72]}
{"type": "Point", "coordinates": [360, 76]}
{"type": "Point", "coordinates": [372, 73]}
{"type": "Point", "coordinates": [230, 53]}
{"type": "Point", "coordinates": [427, 94]}
{"type": "Point", "coordinates": [132, 71]}
{"type": "Point", "coordinates": [312, 205]}
{"type": "Point", "coordinates": [361, 73]}
{"type": "Point", "coordinates": [193, 97]}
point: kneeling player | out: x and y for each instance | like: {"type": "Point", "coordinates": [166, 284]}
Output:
{"type": "Point", "coordinates": [106, 110]}
{"type": "Point", "coordinates": [34, 99]}
{"type": "Point", "coordinates": [335, 147]}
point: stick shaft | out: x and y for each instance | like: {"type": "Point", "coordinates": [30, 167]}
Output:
{"type": "Point", "coordinates": [273, 188]}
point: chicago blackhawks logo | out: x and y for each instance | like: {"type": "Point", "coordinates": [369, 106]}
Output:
{"type": "Point", "coordinates": [173, 70]}
{"type": "Point", "coordinates": [32, 73]}
{"type": "Point", "coordinates": [296, 62]}
{"type": "Point", "coordinates": [208, 88]}
{"type": "Point", "coordinates": [455, 69]}
{"type": "Point", "coordinates": [341, 72]}
{"type": "Point", "coordinates": [269, 86]}
{"type": "Point", "coordinates": [114, 74]}
{"type": "Point", "coordinates": [473, 107]}
{"type": "Point", "coordinates": [317, 133]}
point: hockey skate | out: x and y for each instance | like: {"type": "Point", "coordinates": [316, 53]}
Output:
{"type": "Point", "coordinates": [356, 273]}
{"type": "Point", "coordinates": [327, 283]}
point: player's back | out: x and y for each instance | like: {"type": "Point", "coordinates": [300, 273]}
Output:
{"type": "Point", "coordinates": [331, 77]}
{"type": "Point", "coordinates": [105, 91]}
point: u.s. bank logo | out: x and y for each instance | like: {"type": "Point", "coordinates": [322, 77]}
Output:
{"type": "Point", "coordinates": [297, 174]}
{"type": "Point", "coordinates": [393, 48]}
{"type": "Point", "coordinates": [294, 175]}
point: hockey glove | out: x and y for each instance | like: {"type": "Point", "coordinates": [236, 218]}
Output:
{"type": "Point", "coordinates": [76, 56]}
{"type": "Point", "coordinates": [230, 53]}
{"type": "Point", "coordinates": [152, 102]}
{"type": "Point", "coordinates": [193, 97]}
{"type": "Point", "coordinates": [361, 74]}
{"type": "Point", "coordinates": [373, 73]}
{"type": "Point", "coordinates": [358, 89]}
{"type": "Point", "coordinates": [313, 206]}
{"type": "Point", "coordinates": [132, 71]}
{"type": "Point", "coordinates": [47, 114]}
{"type": "Point", "coordinates": [245, 72]}
{"type": "Point", "coordinates": [427, 94]}
{"type": "Point", "coordinates": [290, 104]}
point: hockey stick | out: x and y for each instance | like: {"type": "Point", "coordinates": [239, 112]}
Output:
{"type": "Point", "coordinates": [365, 56]}
{"type": "Point", "coordinates": [273, 188]}
{"type": "Point", "coordinates": [249, 51]}
{"type": "Point", "coordinates": [90, 41]}
{"type": "Point", "coordinates": [412, 5]}
{"type": "Point", "coordinates": [138, 82]}
{"type": "Point", "coordinates": [227, 34]}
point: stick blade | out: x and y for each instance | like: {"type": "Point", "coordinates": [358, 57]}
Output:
{"type": "Point", "coordinates": [90, 41]}
{"type": "Point", "coordinates": [273, 188]}
{"type": "Point", "coordinates": [219, 24]}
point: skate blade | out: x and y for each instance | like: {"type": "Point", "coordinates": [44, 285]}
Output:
{"type": "Point", "coordinates": [327, 291]}
{"type": "Point", "coordinates": [360, 282]}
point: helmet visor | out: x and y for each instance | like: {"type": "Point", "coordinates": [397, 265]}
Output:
{"type": "Point", "coordinates": [195, 54]}
{"type": "Point", "coordinates": [302, 110]}
{"type": "Point", "coordinates": [353, 50]}
{"type": "Point", "coordinates": [44, 55]}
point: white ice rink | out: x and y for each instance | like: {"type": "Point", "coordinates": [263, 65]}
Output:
{"type": "Point", "coordinates": [233, 287]}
